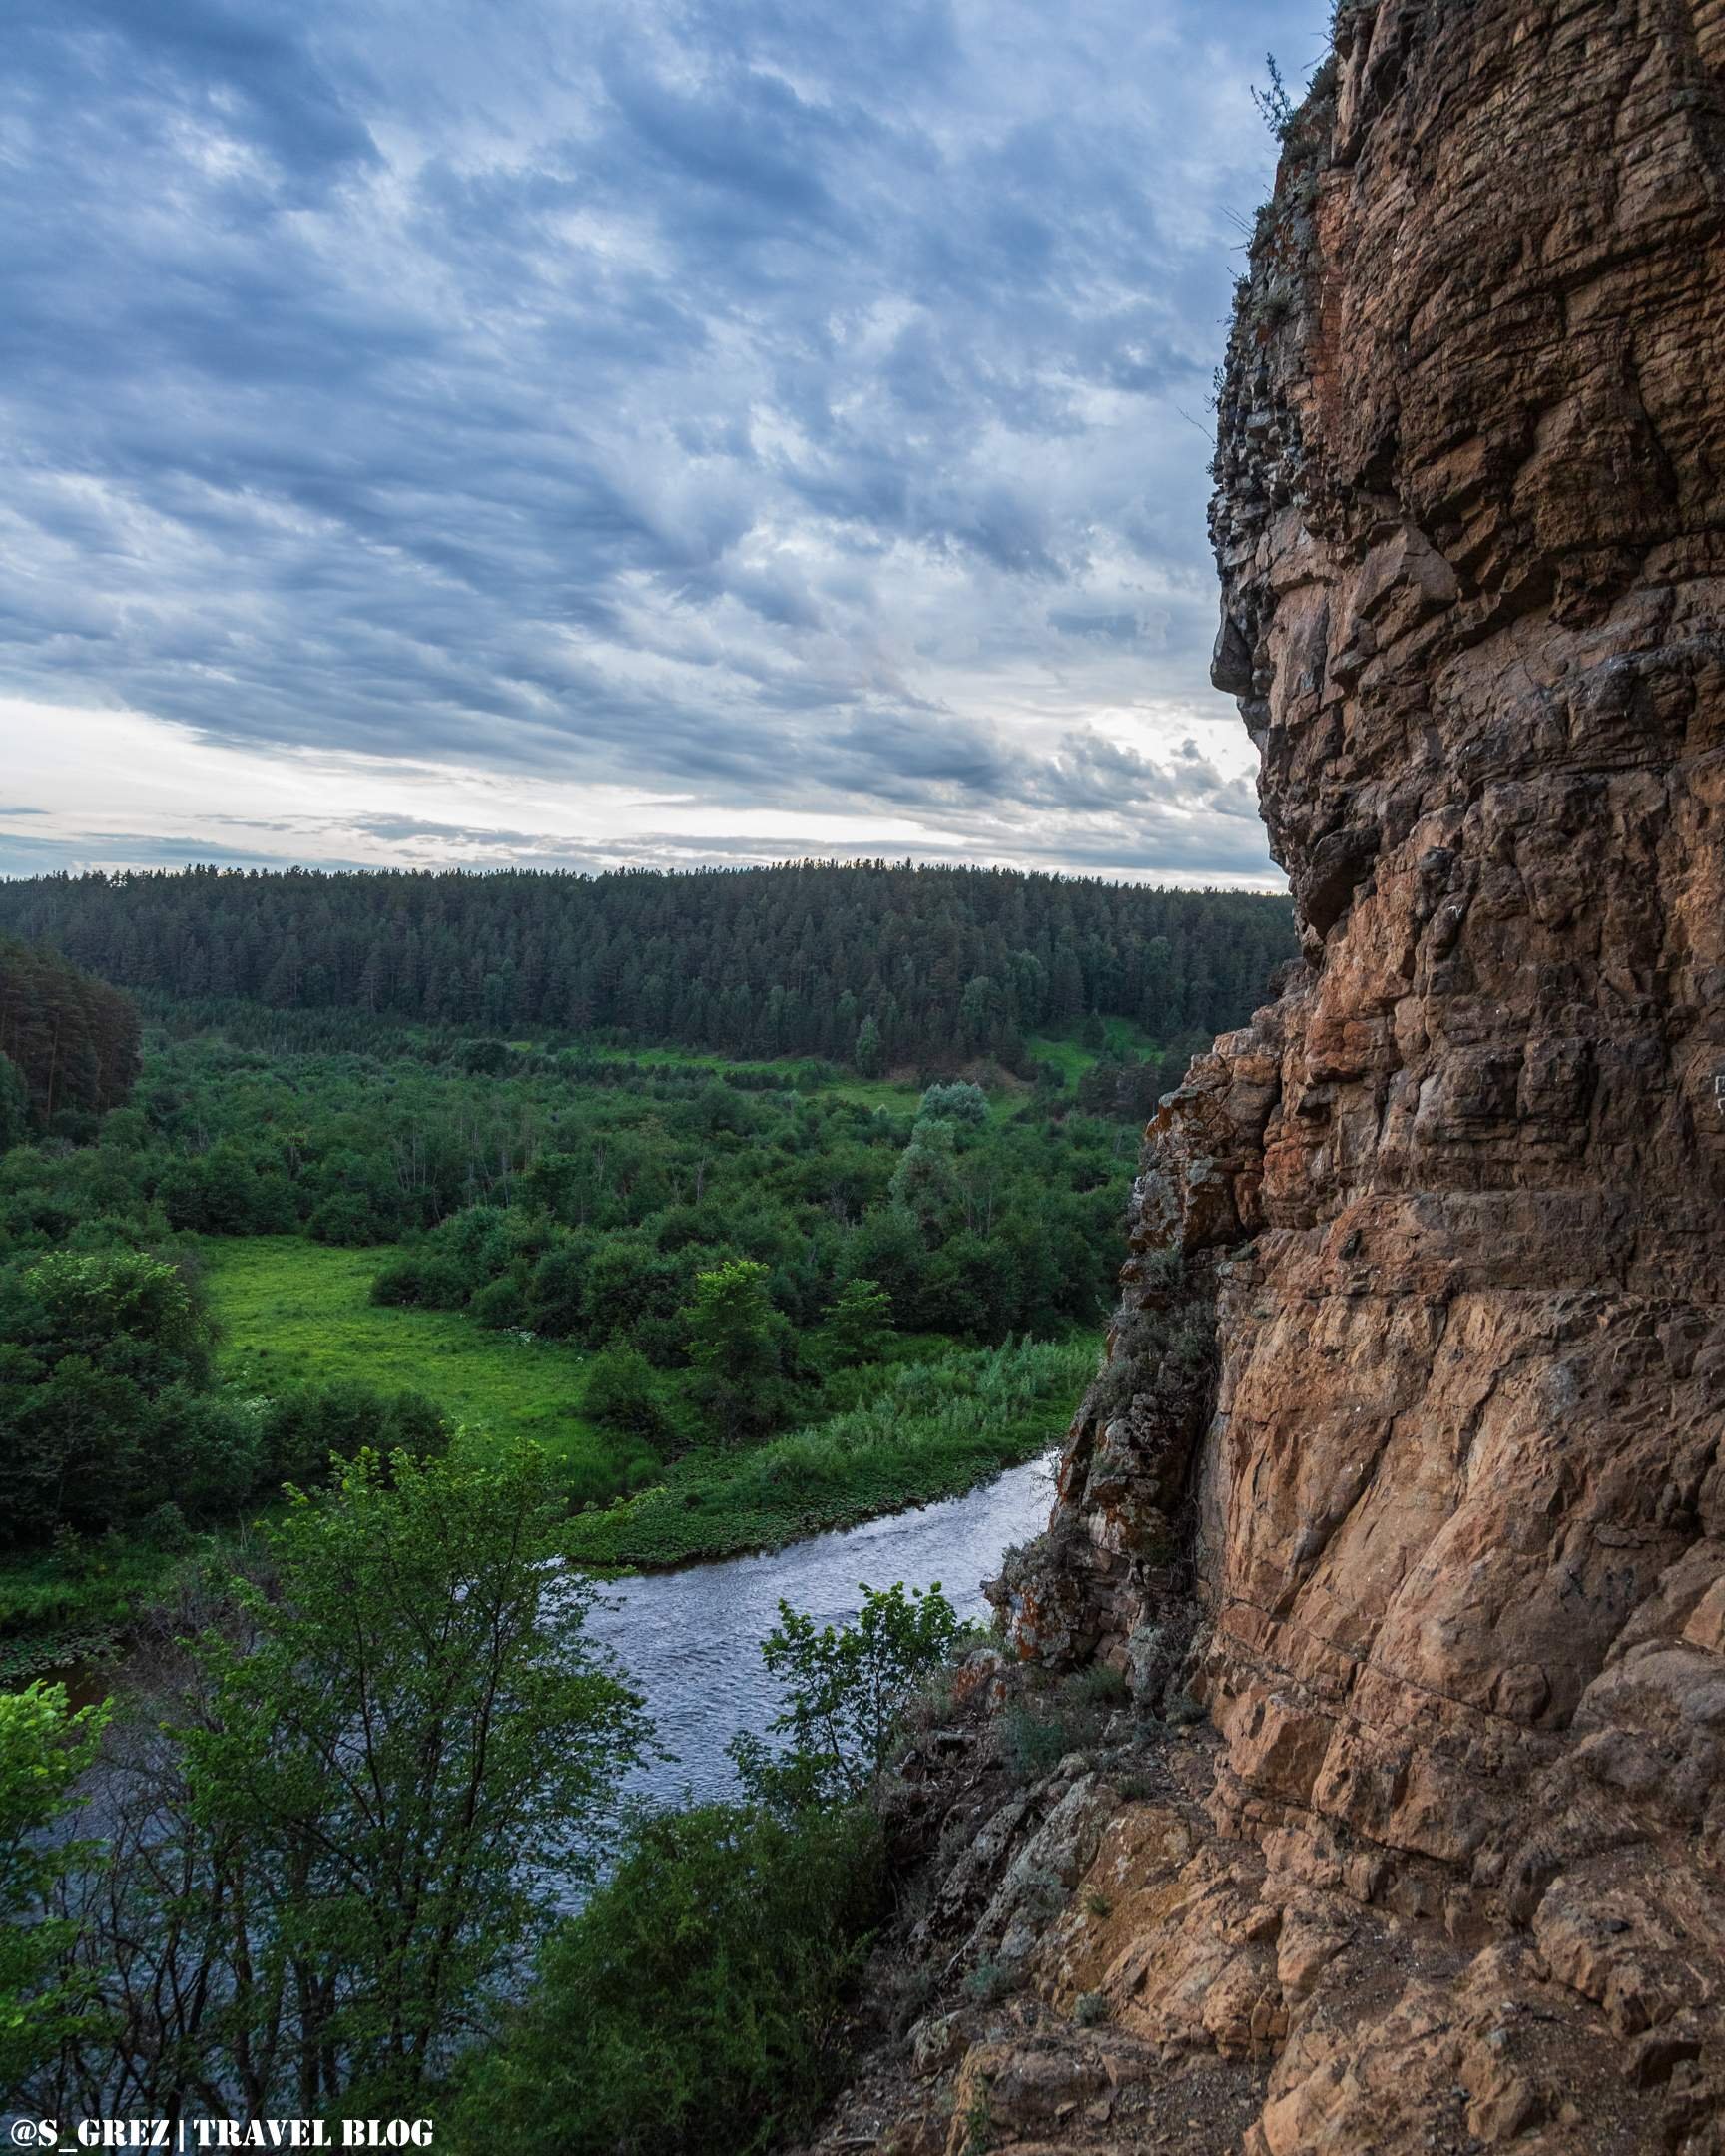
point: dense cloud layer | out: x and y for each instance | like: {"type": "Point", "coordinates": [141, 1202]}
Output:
{"type": "Point", "coordinates": [793, 409]}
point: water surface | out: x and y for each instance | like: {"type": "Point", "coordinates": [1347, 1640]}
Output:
{"type": "Point", "coordinates": [690, 1640]}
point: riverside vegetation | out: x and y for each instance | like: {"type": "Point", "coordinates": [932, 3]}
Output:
{"type": "Point", "coordinates": [744, 1309]}
{"type": "Point", "coordinates": [297, 1907]}
{"type": "Point", "coordinates": [329, 1341]}
{"type": "Point", "coordinates": [731, 1301]}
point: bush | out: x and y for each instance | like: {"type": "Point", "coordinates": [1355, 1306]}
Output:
{"type": "Point", "coordinates": [101, 1354]}
{"type": "Point", "coordinates": [344, 1219]}
{"type": "Point", "coordinates": [210, 1452]}
{"type": "Point", "coordinates": [1099, 1685]}
{"type": "Point", "coordinates": [858, 1322]}
{"type": "Point", "coordinates": [305, 1429]}
{"type": "Point", "coordinates": [165, 1529]}
{"type": "Point", "coordinates": [622, 1394]}
{"type": "Point", "coordinates": [424, 1281]}
{"type": "Point", "coordinates": [961, 1103]}
{"type": "Point", "coordinates": [847, 1687]}
{"type": "Point", "coordinates": [1035, 1743]}
{"type": "Point", "coordinates": [554, 1292]}
{"type": "Point", "coordinates": [987, 1982]}
{"type": "Point", "coordinates": [500, 1304]}
{"type": "Point", "coordinates": [692, 2007]}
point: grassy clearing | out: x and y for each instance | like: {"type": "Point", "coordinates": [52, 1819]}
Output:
{"type": "Point", "coordinates": [895, 1094]}
{"type": "Point", "coordinates": [297, 1313]}
{"type": "Point", "coordinates": [898, 1095]}
{"type": "Point", "coordinates": [1064, 1049]}
{"type": "Point", "coordinates": [935, 1429]}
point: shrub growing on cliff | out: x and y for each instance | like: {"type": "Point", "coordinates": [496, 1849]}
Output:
{"type": "Point", "coordinates": [693, 2009]}
{"type": "Point", "coordinates": [846, 1688]}
{"type": "Point", "coordinates": [1035, 1736]}
{"type": "Point", "coordinates": [1275, 104]}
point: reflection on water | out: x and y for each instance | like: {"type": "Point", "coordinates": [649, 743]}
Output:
{"type": "Point", "coordinates": [690, 1640]}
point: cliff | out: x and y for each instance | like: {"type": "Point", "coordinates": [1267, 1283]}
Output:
{"type": "Point", "coordinates": [1405, 1465]}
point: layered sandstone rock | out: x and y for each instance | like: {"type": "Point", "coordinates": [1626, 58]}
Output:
{"type": "Point", "coordinates": [1413, 1415]}
{"type": "Point", "coordinates": [1461, 1191]}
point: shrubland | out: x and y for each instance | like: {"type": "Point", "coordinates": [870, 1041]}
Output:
{"type": "Point", "coordinates": [743, 1301]}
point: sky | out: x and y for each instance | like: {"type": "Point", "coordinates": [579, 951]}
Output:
{"type": "Point", "coordinates": [566, 433]}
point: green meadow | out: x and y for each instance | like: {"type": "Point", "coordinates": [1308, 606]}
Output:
{"type": "Point", "coordinates": [941, 1419]}
{"type": "Point", "coordinates": [1072, 1059]}
{"type": "Point", "coordinates": [296, 1313]}
{"type": "Point", "coordinates": [898, 1095]}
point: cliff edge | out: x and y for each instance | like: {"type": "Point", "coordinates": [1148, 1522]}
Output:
{"type": "Point", "coordinates": [1404, 1464]}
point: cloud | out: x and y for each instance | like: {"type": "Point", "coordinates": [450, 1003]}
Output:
{"type": "Point", "coordinates": [789, 406]}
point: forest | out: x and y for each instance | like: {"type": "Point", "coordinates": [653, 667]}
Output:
{"type": "Point", "coordinates": [289, 1215]}
{"type": "Point", "coordinates": [875, 965]}
{"type": "Point", "coordinates": [68, 1043]}
{"type": "Point", "coordinates": [332, 1314]}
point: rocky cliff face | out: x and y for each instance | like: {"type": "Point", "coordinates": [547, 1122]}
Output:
{"type": "Point", "coordinates": [1460, 1196]}
{"type": "Point", "coordinates": [1406, 1462]}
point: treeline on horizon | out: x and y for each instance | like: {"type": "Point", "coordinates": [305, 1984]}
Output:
{"type": "Point", "coordinates": [880, 965]}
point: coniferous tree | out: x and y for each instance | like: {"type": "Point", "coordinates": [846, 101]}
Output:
{"type": "Point", "coordinates": [71, 1041]}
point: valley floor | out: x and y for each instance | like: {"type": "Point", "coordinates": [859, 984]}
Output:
{"type": "Point", "coordinates": [296, 1313]}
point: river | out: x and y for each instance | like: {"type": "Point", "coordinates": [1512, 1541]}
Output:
{"type": "Point", "coordinates": [690, 1640]}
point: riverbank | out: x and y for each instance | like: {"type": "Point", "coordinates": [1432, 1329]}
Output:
{"type": "Point", "coordinates": [935, 1431]}
{"type": "Point", "coordinates": [60, 1607]}
{"type": "Point", "coordinates": [690, 1640]}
